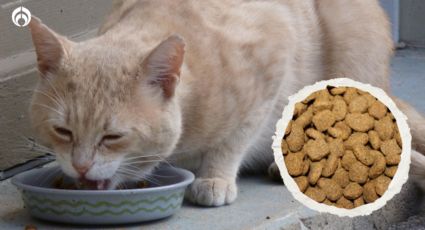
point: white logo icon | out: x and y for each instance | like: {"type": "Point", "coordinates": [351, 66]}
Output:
{"type": "Point", "coordinates": [21, 16]}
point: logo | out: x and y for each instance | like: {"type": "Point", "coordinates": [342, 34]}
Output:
{"type": "Point", "coordinates": [21, 16]}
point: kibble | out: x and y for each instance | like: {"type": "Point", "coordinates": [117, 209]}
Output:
{"type": "Point", "coordinates": [341, 177]}
{"type": "Point", "coordinates": [315, 194]}
{"type": "Point", "coordinates": [379, 164]}
{"type": "Point", "coordinates": [355, 139]}
{"type": "Point", "coordinates": [317, 149]}
{"type": "Point", "coordinates": [344, 203]}
{"type": "Point", "coordinates": [353, 191]}
{"type": "Point", "coordinates": [374, 139]}
{"type": "Point", "coordinates": [385, 128]}
{"type": "Point", "coordinates": [390, 147]}
{"type": "Point", "coordinates": [302, 183]}
{"type": "Point", "coordinates": [331, 189]}
{"type": "Point", "coordinates": [381, 184]}
{"type": "Point", "coordinates": [390, 171]}
{"type": "Point", "coordinates": [369, 192]}
{"type": "Point", "coordinates": [294, 163]}
{"type": "Point", "coordinates": [358, 202]}
{"type": "Point", "coordinates": [315, 171]}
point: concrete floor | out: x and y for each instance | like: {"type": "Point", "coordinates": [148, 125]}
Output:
{"type": "Point", "coordinates": [263, 204]}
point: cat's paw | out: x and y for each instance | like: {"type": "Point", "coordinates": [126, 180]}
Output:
{"type": "Point", "coordinates": [212, 191]}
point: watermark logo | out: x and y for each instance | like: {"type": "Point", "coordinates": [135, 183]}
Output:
{"type": "Point", "coordinates": [21, 16]}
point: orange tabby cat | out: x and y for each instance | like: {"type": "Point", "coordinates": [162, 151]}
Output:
{"type": "Point", "coordinates": [198, 83]}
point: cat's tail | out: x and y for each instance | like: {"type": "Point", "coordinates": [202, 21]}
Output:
{"type": "Point", "coordinates": [416, 123]}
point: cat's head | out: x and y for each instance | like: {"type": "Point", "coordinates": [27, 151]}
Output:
{"type": "Point", "coordinates": [106, 115]}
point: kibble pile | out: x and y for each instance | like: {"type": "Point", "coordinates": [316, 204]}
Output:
{"type": "Point", "coordinates": [342, 147]}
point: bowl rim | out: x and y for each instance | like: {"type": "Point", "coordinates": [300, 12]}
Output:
{"type": "Point", "coordinates": [188, 178]}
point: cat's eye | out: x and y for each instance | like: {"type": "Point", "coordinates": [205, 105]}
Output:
{"type": "Point", "coordinates": [111, 138]}
{"type": "Point", "coordinates": [64, 133]}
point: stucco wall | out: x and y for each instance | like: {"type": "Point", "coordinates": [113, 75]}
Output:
{"type": "Point", "coordinates": [412, 19]}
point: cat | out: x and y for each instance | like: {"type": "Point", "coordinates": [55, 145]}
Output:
{"type": "Point", "coordinates": [199, 84]}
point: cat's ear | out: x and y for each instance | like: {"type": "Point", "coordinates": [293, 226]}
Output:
{"type": "Point", "coordinates": [163, 65]}
{"type": "Point", "coordinates": [49, 46]}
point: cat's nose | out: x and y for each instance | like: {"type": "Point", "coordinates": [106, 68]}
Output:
{"type": "Point", "coordinates": [81, 169]}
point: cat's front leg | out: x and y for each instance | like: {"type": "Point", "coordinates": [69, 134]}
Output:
{"type": "Point", "coordinates": [215, 184]}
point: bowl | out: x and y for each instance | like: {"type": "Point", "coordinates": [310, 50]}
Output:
{"type": "Point", "coordinates": [101, 207]}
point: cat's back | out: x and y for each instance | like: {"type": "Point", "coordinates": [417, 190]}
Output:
{"type": "Point", "coordinates": [237, 21]}
{"type": "Point", "coordinates": [232, 47]}
{"type": "Point", "coordinates": [228, 42]}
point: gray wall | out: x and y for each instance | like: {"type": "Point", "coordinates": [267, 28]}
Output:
{"type": "Point", "coordinates": [412, 22]}
{"type": "Point", "coordinates": [392, 9]}
{"type": "Point", "coordinates": [75, 19]}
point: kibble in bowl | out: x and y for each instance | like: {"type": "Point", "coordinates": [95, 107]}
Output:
{"type": "Point", "coordinates": [342, 147]}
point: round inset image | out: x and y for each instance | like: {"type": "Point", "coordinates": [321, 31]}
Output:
{"type": "Point", "coordinates": [342, 147]}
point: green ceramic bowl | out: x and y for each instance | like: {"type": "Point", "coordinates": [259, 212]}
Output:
{"type": "Point", "coordinates": [102, 207]}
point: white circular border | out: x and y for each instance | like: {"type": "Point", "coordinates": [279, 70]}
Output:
{"type": "Point", "coordinates": [403, 168]}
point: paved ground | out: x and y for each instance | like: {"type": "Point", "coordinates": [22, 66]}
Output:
{"type": "Point", "coordinates": [266, 205]}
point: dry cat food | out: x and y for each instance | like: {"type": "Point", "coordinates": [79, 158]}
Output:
{"type": "Point", "coordinates": [342, 147]}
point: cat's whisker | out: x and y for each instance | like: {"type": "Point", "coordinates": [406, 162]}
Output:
{"type": "Point", "coordinates": [139, 177]}
{"type": "Point", "coordinates": [153, 174]}
{"type": "Point", "coordinates": [121, 184]}
{"type": "Point", "coordinates": [48, 176]}
{"type": "Point", "coordinates": [144, 156]}
{"type": "Point", "coordinates": [140, 162]}
{"type": "Point", "coordinates": [124, 169]}
{"type": "Point", "coordinates": [37, 144]}
{"type": "Point", "coordinates": [44, 121]}
{"type": "Point", "coordinates": [141, 159]}
{"type": "Point", "coordinates": [49, 108]}
{"type": "Point", "coordinates": [162, 160]}
{"type": "Point", "coordinates": [50, 97]}
{"type": "Point", "coordinates": [28, 144]}
{"type": "Point", "coordinates": [41, 175]}
{"type": "Point", "coordinates": [127, 170]}
{"type": "Point", "coordinates": [52, 175]}
{"type": "Point", "coordinates": [38, 149]}
{"type": "Point", "coordinates": [26, 150]}
{"type": "Point", "coordinates": [152, 179]}
{"type": "Point", "coordinates": [129, 166]}
{"type": "Point", "coordinates": [129, 174]}
{"type": "Point", "coordinates": [113, 180]}
{"type": "Point", "coordinates": [54, 90]}
{"type": "Point", "coordinates": [165, 161]}
{"type": "Point", "coordinates": [33, 145]}
{"type": "Point", "coordinates": [180, 152]}
{"type": "Point", "coordinates": [157, 175]}
{"type": "Point", "coordinates": [40, 146]}
{"type": "Point", "coordinates": [136, 172]}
